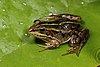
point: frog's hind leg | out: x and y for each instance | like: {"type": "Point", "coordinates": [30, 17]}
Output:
{"type": "Point", "coordinates": [75, 49]}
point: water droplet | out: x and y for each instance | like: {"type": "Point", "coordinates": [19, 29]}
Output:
{"type": "Point", "coordinates": [82, 2]}
{"type": "Point", "coordinates": [25, 34]}
{"type": "Point", "coordinates": [4, 26]}
{"type": "Point", "coordinates": [18, 45]}
{"type": "Point", "coordinates": [50, 13]}
{"type": "Point", "coordinates": [51, 7]}
{"type": "Point", "coordinates": [3, 10]}
{"type": "Point", "coordinates": [24, 4]}
{"type": "Point", "coordinates": [20, 23]}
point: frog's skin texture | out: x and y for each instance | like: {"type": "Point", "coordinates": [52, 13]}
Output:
{"type": "Point", "coordinates": [59, 29]}
{"type": "Point", "coordinates": [56, 19]}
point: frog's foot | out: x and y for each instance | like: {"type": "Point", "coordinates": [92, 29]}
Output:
{"type": "Point", "coordinates": [78, 49]}
{"type": "Point", "coordinates": [70, 51]}
{"type": "Point", "coordinates": [73, 50]}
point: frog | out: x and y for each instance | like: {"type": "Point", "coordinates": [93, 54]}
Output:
{"type": "Point", "coordinates": [57, 31]}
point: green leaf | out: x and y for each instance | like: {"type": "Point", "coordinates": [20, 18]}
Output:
{"type": "Point", "coordinates": [18, 49]}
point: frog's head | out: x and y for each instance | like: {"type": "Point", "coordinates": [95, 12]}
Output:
{"type": "Point", "coordinates": [37, 31]}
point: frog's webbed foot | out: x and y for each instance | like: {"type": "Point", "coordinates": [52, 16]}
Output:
{"type": "Point", "coordinates": [72, 50]}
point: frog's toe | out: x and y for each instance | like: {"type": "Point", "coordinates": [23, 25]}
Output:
{"type": "Point", "coordinates": [46, 47]}
{"type": "Point", "coordinates": [70, 51]}
{"type": "Point", "coordinates": [73, 50]}
{"type": "Point", "coordinates": [77, 52]}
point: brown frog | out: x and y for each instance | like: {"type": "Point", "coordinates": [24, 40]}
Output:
{"type": "Point", "coordinates": [59, 29]}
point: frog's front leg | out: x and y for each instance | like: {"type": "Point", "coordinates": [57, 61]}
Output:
{"type": "Point", "coordinates": [50, 44]}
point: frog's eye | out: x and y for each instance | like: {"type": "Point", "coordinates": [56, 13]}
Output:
{"type": "Point", "coordinates": [37, 21]}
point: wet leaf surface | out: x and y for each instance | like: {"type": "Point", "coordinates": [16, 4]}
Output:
{"type": "Point", "coordinates": [18, 49]}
